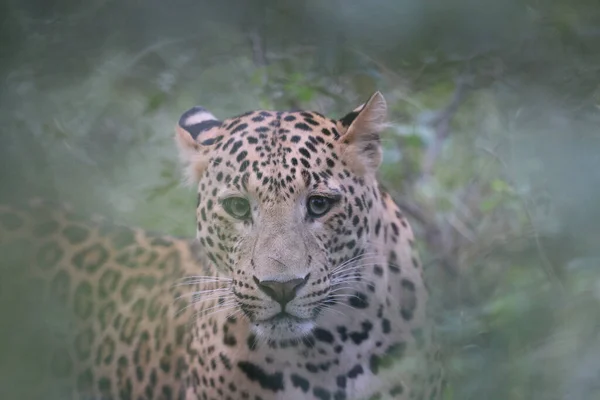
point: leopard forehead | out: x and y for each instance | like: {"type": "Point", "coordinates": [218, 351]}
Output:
{"type": "Point", "coordinates": [285, 141]}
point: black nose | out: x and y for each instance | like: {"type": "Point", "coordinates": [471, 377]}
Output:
{"type": "Point", "coordinates": [281, 291]}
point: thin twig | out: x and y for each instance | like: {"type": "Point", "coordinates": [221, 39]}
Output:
{"type": "Point", "coordinates": [441, 124]}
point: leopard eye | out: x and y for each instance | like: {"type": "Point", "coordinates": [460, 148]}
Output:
{"type": "Point", "coordinates": [237, 207]}
{"type": "Point", "coordinates": [318, 206]}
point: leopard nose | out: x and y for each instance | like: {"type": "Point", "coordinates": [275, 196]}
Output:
{"type": "Point", "coordinates": [281, 291]}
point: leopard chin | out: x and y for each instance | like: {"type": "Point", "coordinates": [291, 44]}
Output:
{"type": "Point", "coordinates": [283, 326]}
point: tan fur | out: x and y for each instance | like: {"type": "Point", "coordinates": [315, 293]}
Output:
{"type": "Point", "coordinates": [363, 131]}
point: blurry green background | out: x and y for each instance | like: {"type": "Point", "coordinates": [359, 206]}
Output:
{"type": "Point", "coordinates": [493, 149]}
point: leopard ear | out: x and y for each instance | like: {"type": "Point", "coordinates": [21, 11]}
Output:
{"type": "Point", "coordinates": [360, 137]}
{"type": "Point", "coordinates": [196, 134]}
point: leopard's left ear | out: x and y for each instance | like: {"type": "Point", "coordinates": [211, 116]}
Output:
{"type": "Point", "coordinates": [360, 137]}
{"type": "Point", "coordinates": [196, 134]}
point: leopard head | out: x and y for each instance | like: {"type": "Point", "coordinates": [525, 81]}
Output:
{"type": "Point", "coordinates": [285, 200]}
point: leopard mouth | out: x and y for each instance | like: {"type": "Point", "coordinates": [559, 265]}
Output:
{"type": "Point", "coordinates": [284, 317]}
{"type": "Point", "coordinates": [285, 326]}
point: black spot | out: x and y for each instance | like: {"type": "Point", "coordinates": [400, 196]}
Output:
{"type": "Point", "coordinates": [415, 262]}
{"type": "Point", "coordinates": [91, 258]}
{"type": "Point", "coordinates": [359, 337]}
{"type": "Point", "coordinates": [106, 352]}
{"type": "Point", "coordinates": [75, 234]}
{"type": "Point", "coordinates": [309, 342]}
{"type": "Point", "coordinates": [343, 333]}
{"type": "Point", "coordinates": [355, 371]}
{"type": "Point", "coordinates": [302, 126]}
{"type": "Point", "coordinates": [251, 341]}
{"type": "Point", "coordinates": [409, 300]}
{"type": "Point", "coordinates": [165, 365]}
{"type": "Point", "coordinates": [304, 152]}
{"type": "Point", "coordinates": [341, 381]}
{"type": "Point", "coordinates": [273, 382]}
{"type": "Point", "coordinates": [359, 300]}
{"type": "Point", "coordinates": [312, 368]}
{"type": "Point", "coordinates": [229, 340]}
{"type": "Point", "coordinates": [377, 270]}
{"type": "Point", "coordinates": [210, 141]}
{"type": "Point", "coordinates": [300, 382]}
{"type": "Point", "coordinates": [323, 335]}
{"type": "Point", "coordinates": [179, 334]}
{"type": "Point", "coordinates": [406, 284]}
{"type": "Point", "coordinates": [106, 314]}
{"type": "Point", "coordinates": [108, 283]}
{"type": "Point", "coordinates": [311, 147]}
{"type": "Point", "coordinates": [394, 268]}
{"type": "Point", "coordinates": [237, 129]}
{"type": "Point", "coordinates": [241, 156]}
{"type": "Point", "coordinates": [339, 395]}
{"type": "Point", "coordinates": [226, 361]}
{"type": "Point", "coordinates": [236, 146]}
{"type": "Point", "coordinates": [128, 288]}
{"type": "Point", "coordinates": [385, 325]}
{"type": "Point", "coordinates": [311, 121]}
{"type": "Point", "coordinates": [244, 166]}
{"type": "Point", "coordinates": [321, 393]}
{"type": "Point", "coordinates": [349, 118]}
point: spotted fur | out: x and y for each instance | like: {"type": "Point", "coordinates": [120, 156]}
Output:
{"type": "Point", "coordinates": [305, 284]}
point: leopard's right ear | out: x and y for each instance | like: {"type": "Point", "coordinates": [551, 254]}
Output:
{"type": "Point", "coordinates": [196, 134]}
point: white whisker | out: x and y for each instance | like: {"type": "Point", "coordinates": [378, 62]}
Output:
{"type": "Point", "coordinates": [355, 259]}
{"type": "Point", "coordinates": [210, 291]}
{"type": "Point", "coordinates": [229, 307]}
{"type": "Point", "coordinates": [206, 277]}
{"type": "Point", "coordinates": [329, 308]}
{"type": "Point", "coordinates": [196, 303]}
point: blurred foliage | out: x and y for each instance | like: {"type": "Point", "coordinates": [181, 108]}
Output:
{"type": "Point", "coordinates": [493, 148]}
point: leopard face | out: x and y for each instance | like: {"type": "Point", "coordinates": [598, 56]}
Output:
{"type": "Point", "coordinates": [284, 203]}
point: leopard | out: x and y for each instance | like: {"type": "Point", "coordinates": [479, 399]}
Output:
{"type": "Point", "coordinates": [303, 281]}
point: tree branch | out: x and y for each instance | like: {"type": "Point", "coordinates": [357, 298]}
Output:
{"type": "Point", "coordinates": [441, 124]}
